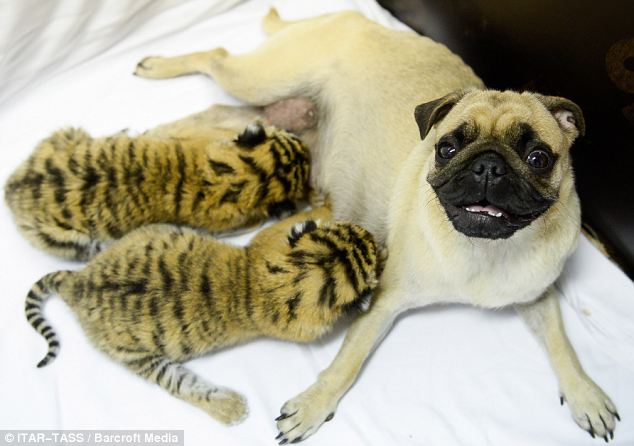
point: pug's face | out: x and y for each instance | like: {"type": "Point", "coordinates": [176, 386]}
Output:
{"type": "Point", "coordinates": [500, 157]}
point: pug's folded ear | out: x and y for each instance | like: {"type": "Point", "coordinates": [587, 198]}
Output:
{"type": "Point", "coordinates": [567, 114]}
{"type": "Point", "coordinates": [430, 113]}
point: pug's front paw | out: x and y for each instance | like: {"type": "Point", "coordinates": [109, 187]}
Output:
{"type": "Point", "coordinates": [303, 415]}
{"type": "Point", "coordinates": [591, 408]}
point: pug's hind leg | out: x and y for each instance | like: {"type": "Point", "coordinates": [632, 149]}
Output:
{"type": "Point", "coordinates": [156, 67]}
{"type": "Point", "coordinates": [591, 408]}
{"type": "Point", "coordinates": [223, 404]}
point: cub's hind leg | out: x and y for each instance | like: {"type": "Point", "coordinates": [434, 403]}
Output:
{"type": "Point", "coordinates": [223, 404]}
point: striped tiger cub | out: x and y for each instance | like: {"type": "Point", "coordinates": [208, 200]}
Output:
{"type": "Point", "coordinates": [163, 294]}
{"type": "Point", "coordinates": [74, 193]}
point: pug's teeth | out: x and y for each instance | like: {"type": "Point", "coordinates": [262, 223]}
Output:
{"type": "Point", "coordinates": [479, 210]}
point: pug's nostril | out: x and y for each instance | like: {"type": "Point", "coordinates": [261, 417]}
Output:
{"type": "Point", "coordinates": [478, 168]}
{"type": "Point", "coordinates": [489, 164]}
{"type": "Point", "coordinates": [499, 169]}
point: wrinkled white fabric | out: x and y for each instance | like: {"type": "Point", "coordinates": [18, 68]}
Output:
{"type": "Point", "coordinates": [449, 375]}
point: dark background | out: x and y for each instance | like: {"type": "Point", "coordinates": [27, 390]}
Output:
{"type": "Point", "coordinates": [582, 50]}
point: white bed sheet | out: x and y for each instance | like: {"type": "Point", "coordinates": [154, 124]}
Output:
{"type": "Point", "coordinates": [448, 375]}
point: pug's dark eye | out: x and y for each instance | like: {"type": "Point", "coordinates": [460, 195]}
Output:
{"type": "Point", "coordinates": [538, 159]}
{"type": "Point", "coordinates": [446, 150]}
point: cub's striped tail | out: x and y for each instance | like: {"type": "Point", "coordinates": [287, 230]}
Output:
{"type": "Point", "coordinates": [42, 290]}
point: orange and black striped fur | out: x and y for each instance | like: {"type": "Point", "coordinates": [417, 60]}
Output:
{"type": "Point", "coordinates": [76, 192]}
{"type": "Point", "coordinates": [164, 294]}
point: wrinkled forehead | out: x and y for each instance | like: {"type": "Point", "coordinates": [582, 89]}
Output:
{"type": "Point", "coordinates": [494, 114]}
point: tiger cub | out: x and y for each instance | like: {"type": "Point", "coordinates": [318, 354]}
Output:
{"type": "Point", "coordinates": [76, 192]}
{"type": "Point", "coordinates": [164, 294]}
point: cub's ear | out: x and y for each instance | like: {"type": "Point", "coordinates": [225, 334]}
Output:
{"type": "Point", "coordinates": [300, 229]}
{"type": "Point", "coordinates": [567, 114]}
{"type": "Point", "coordinates": [251, 136]}
{"type": "Point", "coordinates": [430, 113]}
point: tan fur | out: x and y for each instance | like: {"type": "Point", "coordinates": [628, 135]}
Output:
{"type": "Point", "coordinates": [366, 81]}
{"type": "Point", "coordinates": [163, 294]}
{"type": "Point", "coordinates": [76, 192]}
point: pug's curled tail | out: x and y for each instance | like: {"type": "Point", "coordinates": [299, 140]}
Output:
{"type": "Point", "coordinates": [272, 22]}
{"type": "Point", "coordinates": [39, 293]}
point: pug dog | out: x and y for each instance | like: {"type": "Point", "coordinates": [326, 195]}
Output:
{"type": "Point", "coordinates": [472, 190]}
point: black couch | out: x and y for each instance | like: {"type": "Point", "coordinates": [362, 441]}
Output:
{"type": "Point", "coordinates": [582, 50]}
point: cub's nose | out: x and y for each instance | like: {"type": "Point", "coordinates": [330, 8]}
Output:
{"type": "Point", "coordinates": [489, 165]}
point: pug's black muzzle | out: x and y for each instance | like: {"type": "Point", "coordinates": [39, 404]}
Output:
{"type": "Point", "coordinates": [486, 198]}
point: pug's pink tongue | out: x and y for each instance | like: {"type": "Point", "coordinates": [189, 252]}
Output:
{"type": "Point", "coordinates": [488, 209]}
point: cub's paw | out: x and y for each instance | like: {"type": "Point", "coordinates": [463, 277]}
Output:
{"type": "Point", "coordinates": [591, 408]}
{"type": "Point", "coordinates": [228, 407]}
{"type": "Point", "coordinates": [302, 416]}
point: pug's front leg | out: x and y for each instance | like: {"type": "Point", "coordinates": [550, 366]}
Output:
{"type": "Point", "coordinates": [591, 408]}
{"type": "Point", "coordinates": [303, 415]}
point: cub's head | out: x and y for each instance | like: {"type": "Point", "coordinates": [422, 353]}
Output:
{"type": "Point", "coordinates": [500, 157]}
{"type": "Point", "coordinates": [338, 266]}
